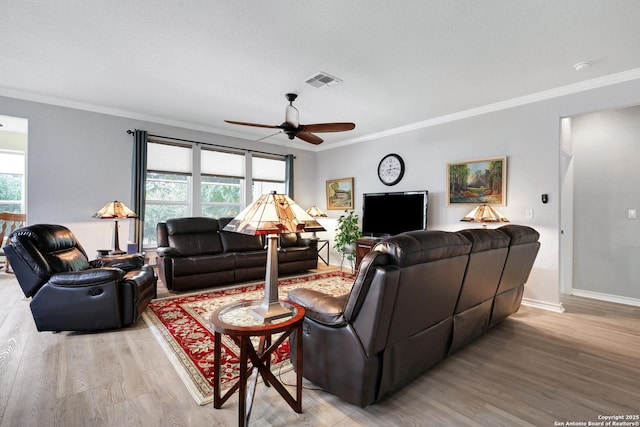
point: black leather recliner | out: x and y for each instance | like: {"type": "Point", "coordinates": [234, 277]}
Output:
{"type": "Point", "coordinates": [71, 293]}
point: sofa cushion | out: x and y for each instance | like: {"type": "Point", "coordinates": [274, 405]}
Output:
{"type": "Point", "coordinates": [288, 240]}
{"type": "Point", "coordinates": [484, 239]}
{"type": "Point", "coordinates": [486, 262]}
{"type": "Point", "coordinates": [202, 264]}
{"type": "Point", "coordinates": [250, 259]}
{"type": "Point", "coordinates": [194, 236]}
{"type": "Point", "coordinates": [520, 234]}
{"type": "Point", "coordinates": [238, 242]}
{"type": "Point", "coordinates": [417, 247]}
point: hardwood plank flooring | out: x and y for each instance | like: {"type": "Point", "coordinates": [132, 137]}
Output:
{"type": "Point", "coordinates": [537, 368]}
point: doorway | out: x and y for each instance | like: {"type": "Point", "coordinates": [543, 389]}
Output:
{"type": "Point", "coordinates": [599, 207]}
{"type": "Point", "coordinates": [13, 164]}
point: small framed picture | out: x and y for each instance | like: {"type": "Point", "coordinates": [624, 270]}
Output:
{"type": "Point", "coordinates": [340, 194]}
{"type": "Point", "coordinates": [481, 181]}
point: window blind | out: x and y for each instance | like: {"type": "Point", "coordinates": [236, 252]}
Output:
{"type": "Point", "coordinates": [12, 163]}
{"type": "Point", "coordinates": [168, 158]}
{"type": "Point", "coordinates": [265, 169]}
{"type": "Point", "coordinates": [220, 163]}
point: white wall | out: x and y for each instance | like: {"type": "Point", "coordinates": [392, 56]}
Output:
{"type": "Point", "coordinates": [79, 160]}
{"type": "Point", "coordinates": [606, 149]}
{"type": "Point", "coordinates": [529, 135]}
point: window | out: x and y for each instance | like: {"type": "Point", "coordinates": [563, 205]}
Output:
{"type": "Point", "coordinates": [195, 180]}
{"type": "Point", "coordinates": [268, 175]}
{"type": "Point", "coordinates": [168, 188]}
{"type": "Point", "coordinates": [221, 196]}
{"type": "Point", "coordinates": [12, 181]}
{"type": "Point", "coordinates": [166, 197]}
{"type": "Point", "coordinates": [221, 184]}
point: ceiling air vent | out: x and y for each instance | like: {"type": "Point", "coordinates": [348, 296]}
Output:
{"type": "Point", "coordinates": [322, 79]}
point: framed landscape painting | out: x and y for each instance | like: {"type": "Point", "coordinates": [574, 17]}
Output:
{"type": "Point", "coordinates": [340, 194]}
{"type": "Point", "coordinates": [481, 181]}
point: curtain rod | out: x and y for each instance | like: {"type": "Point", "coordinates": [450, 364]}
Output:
{"type": "Point", "coordinates": [130, 132]}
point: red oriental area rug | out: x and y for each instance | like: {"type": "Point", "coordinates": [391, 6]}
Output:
{"type": "Point", "coordinates": [181, 325]}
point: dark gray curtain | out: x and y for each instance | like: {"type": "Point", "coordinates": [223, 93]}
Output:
{"type": "Point", "coordinates": [288, 183]}
{"type": "Point", "coordinates": [139, 183]}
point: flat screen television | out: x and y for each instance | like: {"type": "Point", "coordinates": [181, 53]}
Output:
{"type": "Point", "coordinates": [387, 214]}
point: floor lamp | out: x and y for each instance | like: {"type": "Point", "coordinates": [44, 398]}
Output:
{"type": "Point", "coordinates": [271, 214]}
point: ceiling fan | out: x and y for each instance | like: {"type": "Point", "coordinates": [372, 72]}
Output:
{"type": "Point", "coordinates": [294, 129]}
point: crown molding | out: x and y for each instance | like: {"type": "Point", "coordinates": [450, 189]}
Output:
{"type": "Point", "coordinates": [582, 86]}
{"type": "Point", "coordinates": [498, 106]}
{"type": "Point", "coordinates": [67, 103]}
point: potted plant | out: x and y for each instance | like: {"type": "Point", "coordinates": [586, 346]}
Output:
{"type": "Point", "coordinates": [347, 233]}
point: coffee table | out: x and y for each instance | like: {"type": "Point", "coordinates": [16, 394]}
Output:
{"type": "Point", "coordinates": [236, 321]}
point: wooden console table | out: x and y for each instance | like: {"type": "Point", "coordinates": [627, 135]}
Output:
{"type": "Point", "coordinates": [363, 247]}
{"type": "Point", "coordinates": [236, 321]}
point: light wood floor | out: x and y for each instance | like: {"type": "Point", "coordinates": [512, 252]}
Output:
{"type": "Point", "coordinates": [534, 369]}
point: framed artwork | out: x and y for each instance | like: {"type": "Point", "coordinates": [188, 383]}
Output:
{"type": "Point", "coordinates": [340, 194]}
{"type": "Point", "coordinates": [481, 181]}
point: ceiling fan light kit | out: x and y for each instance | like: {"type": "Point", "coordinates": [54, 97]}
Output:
{"type": "Point", "coordinates": [292, 127]}
{"type": "Point", "coordinates": [291, 114]}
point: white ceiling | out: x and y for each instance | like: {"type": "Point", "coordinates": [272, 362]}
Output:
{"type": "Point", "coordinates": [402, 62]}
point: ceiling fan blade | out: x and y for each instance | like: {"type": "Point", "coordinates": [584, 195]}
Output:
{"type": "Point", "coordinates": [252, 124]}
{"type": "Point", "coordinates": [309, 137]}
{"type": "Point", "coordinates": [327, 127]}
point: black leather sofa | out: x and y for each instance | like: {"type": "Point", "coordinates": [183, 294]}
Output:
{"type": "Point", "coordinates": [417, 297]}
{"type": "Point", "coordinates": [195, 253]}
{"type": "Point", "coordinates": [70, 293]}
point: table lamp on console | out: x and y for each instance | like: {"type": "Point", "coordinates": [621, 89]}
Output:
{"type": "Point", "coordinates": [271, 214]}
{"type": "Point", "coordinates": [115, 210]}
{"type": "Point", "coordinates": [314, 226]}
{"type": "Point", "coordinates": [484, 214]}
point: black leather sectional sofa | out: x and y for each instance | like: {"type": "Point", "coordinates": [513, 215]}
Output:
{"type": "Point", "coordinates": [417, 297]}
{"type": "Point", "coordinates": [195, 253]}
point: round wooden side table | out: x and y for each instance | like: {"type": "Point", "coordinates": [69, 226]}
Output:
{"type": "Point", "coordinates": [236, 321]}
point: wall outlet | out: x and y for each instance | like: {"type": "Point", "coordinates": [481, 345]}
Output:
{"type": "Point", "coordinates": [528, 213]}
{"type": "Point", "coordinates": [632, 214]}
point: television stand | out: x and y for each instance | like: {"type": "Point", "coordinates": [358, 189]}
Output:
{"type": "Point", "coordinates": [363, 247]}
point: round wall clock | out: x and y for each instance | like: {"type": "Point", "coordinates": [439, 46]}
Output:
{"type": "Point", "coordinates": [391, 169]}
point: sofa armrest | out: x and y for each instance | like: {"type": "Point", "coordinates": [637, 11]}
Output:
{"type": "Point", "coordinates": [89, 277]}
{"type": "Point", "coordinates": [321, 307]}
{"type": "Point", "coordinates": [126, 262]}
{"type": "Point", "coordinates": [310, 243]}
{"type": "Point", "coordinates": [167, 251]}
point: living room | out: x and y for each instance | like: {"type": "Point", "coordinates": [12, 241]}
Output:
{"type": "Point", "coordinates": [80, 155]}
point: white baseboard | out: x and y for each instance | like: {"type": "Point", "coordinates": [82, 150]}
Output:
{"type": "Point", "coordinates": [605, 297]}
{"type": "Point", "coordinates": [557, 308]}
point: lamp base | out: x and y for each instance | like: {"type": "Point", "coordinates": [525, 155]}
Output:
{"type": "Point", "coordinates": [271, 309]}
{"type": "Point", "coordinates": [267, 312]}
